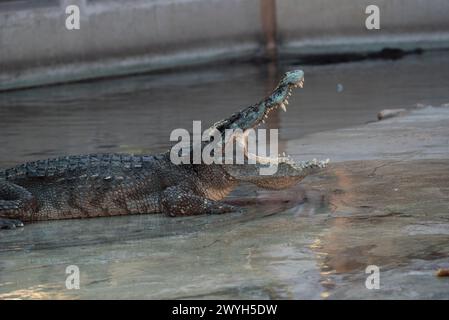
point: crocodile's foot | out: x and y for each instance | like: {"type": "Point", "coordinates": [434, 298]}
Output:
{"type": "Point", "coordinates": [10, 223]}
{"type": "Point", "coordinates": [177, 201]}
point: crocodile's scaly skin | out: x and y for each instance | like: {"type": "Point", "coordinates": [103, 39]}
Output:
{"type": "Point", "coordinates": [102, 185]}
{"type": "Point", "coordinates": [118, 184]}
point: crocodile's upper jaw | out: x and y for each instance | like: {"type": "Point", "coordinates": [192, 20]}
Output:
{"type": "Point", "coordinates": [256, 114]}
{"type": "Point", "coordinates": [279, 97]}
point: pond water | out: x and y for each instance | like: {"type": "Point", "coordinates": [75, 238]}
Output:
{"type": "Point", "coordinates": [282, 247]}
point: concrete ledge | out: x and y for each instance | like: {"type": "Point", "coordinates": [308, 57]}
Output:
{"type": "Point", "coordinates": [348, 44]}
{"type": "Point", "coordinates": [110, 67]}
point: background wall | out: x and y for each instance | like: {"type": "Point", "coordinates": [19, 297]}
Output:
{"type": "Point", "coordinates": [123, 37]}
{"type": "Point", "coordinates": [312, 26]}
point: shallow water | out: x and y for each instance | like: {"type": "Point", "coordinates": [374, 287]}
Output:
{"type": "Point", "coordinates": [282, 247]}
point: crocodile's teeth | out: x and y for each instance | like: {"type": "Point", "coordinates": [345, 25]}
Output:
{"type": "Point", "coordinates": [263, 121]}
{"type": "Point", "coordinates": [283, 107]}
{"type": "Point", "coordinates": [301, 85]}
{"type": "Point", "coordinates": [286, 102]}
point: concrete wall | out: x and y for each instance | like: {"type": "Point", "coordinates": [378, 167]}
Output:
{"type": "Point", "coordinates": [315, 26]}
{"type": "Point", "coordinates": [123, 37]}
{"type": "Point", "coordinates": [120, 37]}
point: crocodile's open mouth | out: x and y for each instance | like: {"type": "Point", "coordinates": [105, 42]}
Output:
{"type": "Point", "coordinates": [241, 123]}
{"type": "Point", "coordinates": [253, 116]}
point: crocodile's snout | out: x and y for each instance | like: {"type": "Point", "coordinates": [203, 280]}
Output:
{"type": "Point", "coordinates": [280, 96]}
{"type": "Point", "coordinates": [293, 78]}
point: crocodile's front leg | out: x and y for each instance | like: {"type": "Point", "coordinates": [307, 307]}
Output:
{"type": "Point", "coordinates": [15, 202]}
{"type": "Point", "coordinates": [178, 201]}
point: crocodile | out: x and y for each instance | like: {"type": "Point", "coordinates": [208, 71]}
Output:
{"type": "Point", "coordinates": [99, 185]}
